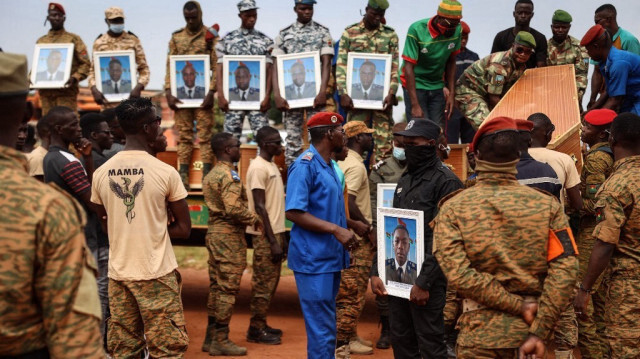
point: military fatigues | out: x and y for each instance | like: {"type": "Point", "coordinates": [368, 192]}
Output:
{"type": "Point", "coordinates": [184, 42]}
{"type": "Point", "coordinates": [229, 214]}
{"type": "Point", "coordinates": [244, 42]}
{"type": "Point", "coordinates": [80, 65]}
{"type": "Point", "coordinates": [491, 75]}
{"type": "Point", "coordinates": [126, 41]}
{"type": "Point", "coordinates": [48, 293]}
{"type": "Point", "coordinates": [264, 280]}
{"type": "Point", "coordinates": [383, 40]}
{"type": "Point", "coordinates": [294, 39]}
{"type": "Point", "coordinates": [570, 52]}
{"type": "Point", "coordinates": [618, 219]}
{"type": "Point", "coordinates": [467, 243]}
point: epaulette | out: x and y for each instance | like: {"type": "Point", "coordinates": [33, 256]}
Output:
{"type": "Point", "coordinates": [412, 265]}
{"type": "Point", "coordinates": [307, 156]}
{"type": "Point", "coordinates": [387, 27]}
{"type": "Point", "coordinates": [285, 28]}
{"type": "Point", "coordinates": [378, 165]}
{"type": "Point", "coordinates": [449, 196]}
{"type": "Point", "coordinates": [352, 25]}
{"type": "Point", "coordinates": [177, 31]}
{"type": "Point", "coordinates": [99, 36]}
{"type": "Point", "coordinates": [389, 261]}
{"type": "Point", "coordinates": [132, 34]}
{"type": "Point", "coordinates": [322, 26]}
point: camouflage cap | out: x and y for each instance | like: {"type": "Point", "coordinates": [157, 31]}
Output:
{"type": "Point", "coordinates": [113, 12]}
{"type": "Point", "coordinates": [525, 39]}
{"type": "Point", "coordinates": [246, 5]}
{"type": "Point", "coordinates": [354, 128]}
{"type": "Point", "coordinates": [13, 75]}
{"type": "Point", "coordinates": [561, 16]}
{"type": "Point", "coordinates": [379, 4]}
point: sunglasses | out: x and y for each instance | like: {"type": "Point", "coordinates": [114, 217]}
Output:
{"type": "Point", "coordinates": [524, 50]}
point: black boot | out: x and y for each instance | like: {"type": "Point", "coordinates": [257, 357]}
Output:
{"type": "Point", "coordinates": [451, 337]}
{"type": "Point", "coordinates": [273, 331]}
{"type": "Point", "coordinates": [261, 336]}
{"type": "Point", "coordinates": [184, 175]}
{"type": "Point", "coordinates": [211, 330]}
{"type": "Point", "coordinates": [385, 336]}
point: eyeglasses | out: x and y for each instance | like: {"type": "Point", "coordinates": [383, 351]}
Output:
{"type": "Point", "coordinates": [524, 50]}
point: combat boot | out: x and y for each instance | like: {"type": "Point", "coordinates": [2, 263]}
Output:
{"type": "Point", "coordinates": [261, 336]}
{"type": "Point", "coordinates": [342, 352]}
{"type": "Point", "coordinates": [564, 354]}
{"type": "Point", "coordinates": [385, 336]}
{"type": "Point", "coordinates": [184, 175]}
{"type": "Point", "coordinates": [450, 338]}
{"type": "Point", "coordinates": [356, 347]}
{"type": "Point", "coordinates": [221, 345]}
{"type": "Point", "coordinates": [206, 167]}
{"type": "Point", "coordinates": [211, 329]}
{"type": "Point", "coordinates": [273, 331]}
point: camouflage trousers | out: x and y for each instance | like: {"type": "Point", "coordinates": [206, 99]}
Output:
{"type": "Point", "coordinates": [350, 300]}
{"type": "Point", "coordinates": [264, 281]}
{"type": "Point", "coordinates": [472, 106]}
{"type": "Point", "coordinates": [233, 121]}
{"type": "Point", "coordinates": [227, 260]}
{"type": "Point", "coordinates": [622, 331]}
{"type": "Point", "coordinates": [147, 313]}
{"type": "Point", "coordinates": [382, 124]}
{"type": "Point", "coordinates": [184, 119]}
{"type": "Point", "coordinates": [52, 98]}
{"type": "Point", "coordinates": [452, 308]}
{"type": "Point", "coordinates": [481, 353]}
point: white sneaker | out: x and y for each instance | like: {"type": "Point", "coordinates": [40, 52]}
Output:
{"type": "Point", "coordinates": [343, 352]}
{"type": "Point", "coordinates": [356, 347]}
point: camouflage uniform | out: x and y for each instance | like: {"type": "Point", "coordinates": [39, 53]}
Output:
{"type": "Point", "coordinates": [244, 42]}
{"type": "Point", "coordinates": [570, 52]}
{"type": "Point", "coordinates": [294, 39]}
{"type": "Point", "coordinates": [126, 41]}
{"type": "Point", "coordinates": [383, 40]}
{"type": "Point", "coordinates": [492, 75]}
{"type": "Point", "coordinates": [48, 292]}
{"type": "Point", "coordinates": [618, 219]}
{"type": "Point", "coordinates": [80, 66]}
{"type": "Point", "coordinates": [264, 280]}
{"type": "Point", "coordinates": [229, 214]}
{"type": "Point", "coordinates": [185, 42]}
{"type": "Point", "coordinates": [468, 244]}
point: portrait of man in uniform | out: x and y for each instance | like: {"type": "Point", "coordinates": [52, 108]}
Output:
{"type": "Point", "coordinates": [116, 83]}
{"type": "Point", "coordinates": [366, 88]}
{"type": "Point", "coordinates": [54, 66]}
{"type": "Point", "coordinates": [400, 268]}
{"type": "Point", "coordinates": [299, 87]}
{"type": "Point", "coordinates": [190, 79]}
{"type": "Point", "coordinates": [243, 90]}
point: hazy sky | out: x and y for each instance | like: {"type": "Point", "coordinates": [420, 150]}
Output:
{"type": "Point", "coordinates": [154, 21]}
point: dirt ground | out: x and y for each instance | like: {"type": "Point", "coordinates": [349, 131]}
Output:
{"type": "Point", "coordinates": [285, 314]}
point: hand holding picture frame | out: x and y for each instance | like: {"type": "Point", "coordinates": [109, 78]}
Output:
{"type": "Point", "coordinates": [368, 79]}
{"type": "Point", "coordinates": [299, 78]}
{"type": "Point", "coordinates": [244, 81]}
{"type": "Point", "coordinates": [115, 74]}
{"type": "Point", "coordinates": [190, 79]}
{"type": "Point", "coordinates": [51, 65]}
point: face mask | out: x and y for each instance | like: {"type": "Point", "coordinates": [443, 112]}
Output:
{"type": "Point", "coordinates": [116, 28]}
{"type": "Point", "coordinates": [420, 156]}
{"type": "Point", "coordinates": [398, 153]}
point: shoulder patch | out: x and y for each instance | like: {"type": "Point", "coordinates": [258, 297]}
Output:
{"type": "Point", "coordinates": [235, 176]}
{"type": "Point", "coordinates": [449, 196]}
{"type": "Point", "coordinates": [307, 156]}
{"type": "Point", "coordinates": [132, 34]}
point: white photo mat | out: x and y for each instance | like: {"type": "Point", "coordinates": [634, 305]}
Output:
{"type": "Point", "coordinates": [39, 66]}
{"type": "Point", "coordinates": [98, 68]}
{"type": "Point", "coordinates": [250, 61]}
{"type": "Point", "coordinates": [284, 63]}
{"type": "Point", "coordinates": [357, 57]}
{"type": "Point", "coordinates": [201, 64]}
{"type": "Point", "coordinates": [385, 192]}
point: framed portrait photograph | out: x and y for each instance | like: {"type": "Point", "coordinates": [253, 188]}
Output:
{"type": "Point", "coordinates": [244, 81]}
{"type": "Point", "coordinates": [51, 65]}
{"type": "Point", "coordinates": [299, 78]}
{"type": "Point", "coordinates": [368, 77]}
{"type": "Point", "coordinates": [190, 78]}
{"type": "Point", "coordinates": [400, 249]}
{"type": "Point", "coordinates": [385, 194]}
{"type": "Point", "coordinates": [115, 73]}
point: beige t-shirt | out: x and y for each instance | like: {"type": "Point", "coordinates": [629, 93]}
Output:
{"type": "Point", "coordinates": [266, 176]}
{"type": "Point", "coordinates": [355, 175]}
{"type": "Point", "coordinates": [35, 160]}
{"type": "Point", "coordinates": [134, 188]}
{"type": "Point", "coordinates": [562, 164]}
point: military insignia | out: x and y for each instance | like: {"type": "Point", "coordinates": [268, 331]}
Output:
{"type": "Point", "coordinates": [592, 188]}
{"type": "Point", "coordinates": [599, 215]}
{"type": "Point", "coordinates": [127, 195]}
{"type": "Point", "coordinates": [52, 7]}
{"type": "Point", "coordinates": [499, 78]}
{"type": "Point", "coordinates": [410, 124]}
{"type": "Point", "coordinates": [334, 119]}
{"type": "Point", "coordinates": [378, 165]}
{"type": "Point", "coordinates": [424, 50]}
{"type": "Point", "coordinates": [399, 190]}
{"type": "Point", "coordinates": [451, 46]}
{"type": "Point", "coordinates": [307, 156]}
{"type": "Point", "coordinates": [235, 176]}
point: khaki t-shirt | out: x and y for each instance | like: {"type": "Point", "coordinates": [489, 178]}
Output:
{"type": "Point", "coordinates": [134, 188]}
{"type": "Point", "coordinates": [562, 164]}
{"type": "Point", "coordinates": [355, 175]}
{"type": "Point", "coordinates": [266, 176]}
{"type": "Point", "coordinates": [35, 160]}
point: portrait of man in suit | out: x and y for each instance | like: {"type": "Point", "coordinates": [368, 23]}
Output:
{"type": "Point", "coordinates": [115, 84]}
{"type": "Point", "coordinates": [400, 268]}
{"type": "Point", "coordinates": [242, 91]}
{"type": "Point", "coordinates": [53, 71]}
{"type": "Point", "coordinates": [367, 89]}
{"type": "Point", "coordinates": [190, 90]}
{"type": "Point", "coordinates": [300, 88]}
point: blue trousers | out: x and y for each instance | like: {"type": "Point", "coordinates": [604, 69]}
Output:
{"type": "Point", "coordinates": [317, 294]}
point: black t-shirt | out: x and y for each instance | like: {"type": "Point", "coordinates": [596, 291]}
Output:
{"type": "Point", "coordinates": [504, 40]}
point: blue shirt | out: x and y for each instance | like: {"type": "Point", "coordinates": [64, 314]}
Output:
{"type": "Point", "coordinates": [537, 174]}
{"type": "Point", "coordinates": [314, 187]}
{"type": "Point", "coordinates": [621, 74]}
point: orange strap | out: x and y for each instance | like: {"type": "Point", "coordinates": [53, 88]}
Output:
{"type": "Point", "coordinates": [561, 244]}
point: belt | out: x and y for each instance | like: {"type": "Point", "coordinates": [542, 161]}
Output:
{"type": "Point", "coordinates": [469, 305]}
{"type": "Point", "coordinates": [36, 354]}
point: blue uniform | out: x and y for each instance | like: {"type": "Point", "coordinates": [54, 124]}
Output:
{"type": "Point", "coordinates": [622, 77]}
{"type": "Point", "coordinates": [317, 258]}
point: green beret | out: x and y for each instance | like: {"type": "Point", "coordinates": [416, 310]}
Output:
{"type": "Point", "coordinates": [561, 16]}
{"type": "Point", "coordinates": [13, 75]}
{"type": "Point", "coordinates": [525, 39]}
{"type": "Point", "coordinates": [379, 4]}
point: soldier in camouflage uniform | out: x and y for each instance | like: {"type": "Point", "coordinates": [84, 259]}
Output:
{"type": "Point", "coordinates": [193, 39]}
{"type": "Point", "coordinates": [117, 39]}
{"type": "Point", "coordinates": [305, 35]}
{"type": "Point", "coordinates": [483, 84]}
{"type": "Point", "coordinates": [618, 242]}
{"type": "Point", "coordinates": [371, 36]}
{"type": "Point", "coordinates": [80, 63]}
{"type": "Point", "coordinates": [229, 214]}
{"type": "Point", "coordinates": [49, 298]}
{"type": "Point", "coordinates": [539, 266]}
{"type": "Point", "coordinates": [563, 49]}
{"type": "Point", "coordinates": [245, 41]}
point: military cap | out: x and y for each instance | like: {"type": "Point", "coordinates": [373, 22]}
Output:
{"type": "Point", "coordinates": [491, 127]}
{"type": "Point", "coordinates": [450, 9]}
{"type": "Point", "coordinates": [524, 125]}
{"type": "Point", "coordinates": [525, 39]}
{"type": "Point", "coordinates": [354, 128]}
{"type": "Point", "coordinates": [600, 117]}
{"type": "Point", "coordinates": [465, 27]}
{"type": "Point", "coordinates": [304, 2]}
{"type": "Point", "coordinates": [592, 34]}
{"type": "Point", "coordinates": [379, 4]}
{"type": "Point", "coordinates": [13, 75]}
{"type": "Point", "coordinates": [56, 6]}
{"type": "Point", "coordinates": [246, 5]}
{"type": "Point", "coordinates": [113, 12]}
{"type": "Point", "coordinates": [322, 119]}
{"type": "Point", "coordinates": [421, 128]}
{"type": "Point", "coordinates": [561, 16]}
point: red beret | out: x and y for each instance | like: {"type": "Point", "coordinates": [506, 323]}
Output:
{"type": "Point", "coordinates": [524, 125]}
{"type": "Point", "coordinates": [600, 117]}
{"type": "Point", "coordinates": [325, 119]}
{"type": "Point", "coordinates": [212, 33]}
{"type": "Point", "coordinates": [495, 125]}
{"type": "Point", "coordinates": [465, 27]}
{"type": "Point", "coordinates": [56, 6]}
{"type": "Point", "coordinates": [593, 33]}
